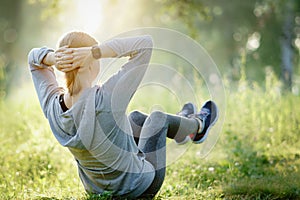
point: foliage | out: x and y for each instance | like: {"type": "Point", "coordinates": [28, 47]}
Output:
{"type": "Point", "coordinates": [9, 28]}
{"type": "Point", "coordinates": [17, 35]}
{"type": "Point", "coordinates": [229, 29]}
{"type": "Point", "coordinates": [225, 30]}
{"type": "Point", "coordinates": [51, 8]}
{"type": "Point", "coordinates": [257, 156]}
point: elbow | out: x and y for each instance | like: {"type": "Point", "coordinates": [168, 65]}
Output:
{"type": "Point", "coordinates": [36, 56]}
{"type": "Point", "coordinates": [31, 56]}
{"type": "Point", "coordinates": [148, 41]}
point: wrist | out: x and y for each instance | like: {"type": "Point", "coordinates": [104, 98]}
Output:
{"type": "Point", "coordinates": [49, 59]}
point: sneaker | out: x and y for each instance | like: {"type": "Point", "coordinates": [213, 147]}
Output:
{"type": "Point", "coordinates": [187, 110]}
{"type": "Point", "coordinates": [208, 116]}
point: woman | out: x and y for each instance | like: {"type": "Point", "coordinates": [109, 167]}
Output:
{"type": "Point", "coordinates": [114, 152]}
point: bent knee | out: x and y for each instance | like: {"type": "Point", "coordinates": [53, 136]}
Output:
{"type": "Point", "coordinates": [135, 114]}
{"type": "Point", "coordinates": [137, 117]}
{"type": "Point", "coordinates": [158, 115]}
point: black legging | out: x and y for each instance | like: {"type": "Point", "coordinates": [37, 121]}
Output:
{"type": "Point", "coordinates": [150, 133]}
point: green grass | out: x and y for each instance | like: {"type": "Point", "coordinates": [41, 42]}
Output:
{"type": "Point", "coordinates": [257, 155]}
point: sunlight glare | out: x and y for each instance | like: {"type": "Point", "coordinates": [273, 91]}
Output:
{"type": "Point", "coordinates": [89, 15]}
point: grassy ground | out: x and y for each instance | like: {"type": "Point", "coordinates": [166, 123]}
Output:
{"type": "Point", "coordinates": [257, 155]}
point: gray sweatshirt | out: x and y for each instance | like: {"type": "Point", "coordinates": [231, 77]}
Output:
{"type": "Point", "coordinates": [96, 129]}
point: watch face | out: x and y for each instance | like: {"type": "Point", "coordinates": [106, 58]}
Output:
{"type": "Point", "coordinates": [96, 52]}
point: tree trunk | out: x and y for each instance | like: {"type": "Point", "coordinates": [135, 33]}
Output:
{"type": "Point", "coordinates": [286, 44]}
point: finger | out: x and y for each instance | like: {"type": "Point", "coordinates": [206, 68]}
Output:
{"type": "Point", "coordinates": [62, 54]}
{"type": "Point", "coordinates": [68, 69]}
{"type": "Point", "coordinates": [68, 50]}
{"type": "Point", "coordinates": [64, 58]}
{"type": "Point", "coordinates": [58, 54]}
{"type": "Point", "coordinates": [81, 59]}
{"type": "Point", "coordinates": [76, 64]}
{"type": "Point", "coordinates": [64, 62]}
{"type": "Point", "coordinates": [65, 50]}
{"type": "Point", "coordinates": [77, 58]}
{"type": "Point", "coordinates": [65, 67]}
{"type": "Point", "coordinates": [61, 49]}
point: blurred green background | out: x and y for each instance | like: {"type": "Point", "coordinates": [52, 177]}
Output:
{"type": "Point", "coordinates": [259, 35]}
{"type": "Point", "coordinates": [254, 43]}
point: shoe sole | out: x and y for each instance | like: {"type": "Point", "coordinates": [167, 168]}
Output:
{"type": "Point", "coordinates": [209, 127]}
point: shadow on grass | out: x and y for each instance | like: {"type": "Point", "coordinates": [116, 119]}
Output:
{"type": "Point", "coordinates": [263, 177]}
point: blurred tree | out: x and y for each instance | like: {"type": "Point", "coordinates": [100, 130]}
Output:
{"type": "Point", "coordinates": [277, 21]}
{"type": "Point", "coordinates": [261, 30]}
{"type": "Point", "coordinates": [16, 35]}
{"type": "Point", "coordinates": [9, 29]}
{"type": "Point", "coordinates": [286, 43]}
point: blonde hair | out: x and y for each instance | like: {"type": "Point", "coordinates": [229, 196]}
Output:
{"type": "Point", "coordinates": [75, 39]}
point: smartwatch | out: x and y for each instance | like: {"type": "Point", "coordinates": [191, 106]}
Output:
{"type": "Point", "coordinates": [96, 52]}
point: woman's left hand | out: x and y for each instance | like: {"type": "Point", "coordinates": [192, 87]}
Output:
{"type": "Point", "coordinates": [68, 59]}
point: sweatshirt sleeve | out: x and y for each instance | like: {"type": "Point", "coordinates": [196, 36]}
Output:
{"type": "Point", "coordinates": [36, 56]}
{"type": "Point", "coordinates": [43, 77]}
{"type": "Point", "coordinates": [130, 46]}
{"type": "Point", "coordinates": [121, 86]}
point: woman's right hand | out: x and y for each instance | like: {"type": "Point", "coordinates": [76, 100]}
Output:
{"type": "Point", "coordinates": [49, 59]}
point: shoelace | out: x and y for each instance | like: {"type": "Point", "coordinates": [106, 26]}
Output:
{"type": "Point", "coordinates": [204, 113]}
